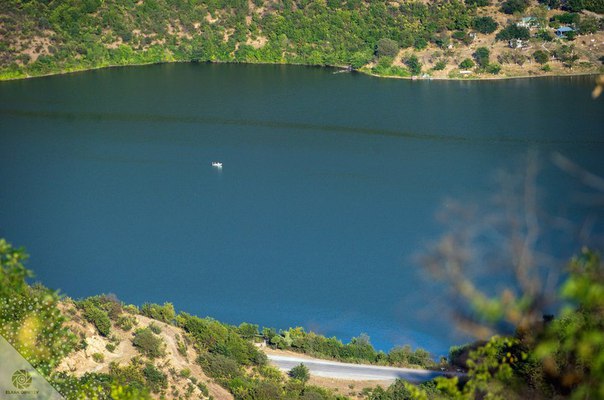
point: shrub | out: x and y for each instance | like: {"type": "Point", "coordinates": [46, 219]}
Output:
{"type": "Point", "coordinates": [247, 331]}
{"type": "Point", "coordinates": [163, 313]}
{"type": "Point", "coordinates": [466, 64]}
{"type": "Point", "coordinates": [155, 328]}
{"type": "Point", "coordinates": [126, 322]}
{"type": "Point", "coordinates": [97, 317]}
{"type": "Point", "coordinates": [541, 56]}
{"type": "Point", "coordinates": [386, 47]}
{"type": "Point", "coordinates": [481, 55]}
{"type": "Point", "coordinates": [156, 380]}
{"type": "Point", "coordinates": [513, 31]}
{"type": "Point", "coordinates": [546, 68]}
{"type": "Point", "coordinates": [300, 372]}
{"type": "Point", "coordinates": [493, 69]}
{"type": "Point", "coordinates": [110, 347]}
{"type": "Point", "coordinates": [478, 3]}
{"type": "Point", "coordinates": [484, 25]}
{"type": "Point", "coordinates": [440, 65]}
{"type": "Point", "coordinates": [414, 65]}
{"type": "Point", "coordinates": [219, 366]}
{"type": "Point", "coordinates": [514, 6]}
{"type": "Point", "coordinates": [98, 357]}
{"type": "Point", "coordinates": [185, 373]}
{"type": "Point", "coordinates": [148, 343]}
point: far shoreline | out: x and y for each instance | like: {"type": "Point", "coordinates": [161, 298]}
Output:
{"type": "Point", "coordinates": [341, 68]}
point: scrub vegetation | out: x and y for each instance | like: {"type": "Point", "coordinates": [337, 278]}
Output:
{"type": "Point", "coordinates": [39, 37]}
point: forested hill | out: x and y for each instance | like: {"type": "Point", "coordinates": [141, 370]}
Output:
{"type": "Point", "coordinates": [39, 37]}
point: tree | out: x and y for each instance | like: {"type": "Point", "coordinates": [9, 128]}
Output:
{"type": "Point", "coordinates": [414, 65]}
{"type": "Point", "coordinates": [513, 31]}
{"type": "Point", "coordinates": [300, 372]}
{"type": "Point", "coordinates": [478, 3]}
{"type": "Point", "coordinates": [541, 56]}
{"type": "Point", "coordinates": [386, 48]}
{"type": "Point", "coordinates": [481, 55]}
{"type": "Point", "coordinates": [466, 64]}
{"type": "Point", "coordinates": [29, 315]}
{"type": "Point", "coordinates": [484, 25]}
{"type": "Point", "coordinates": [514, 6]}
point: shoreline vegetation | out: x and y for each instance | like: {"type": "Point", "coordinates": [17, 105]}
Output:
{"type": "Point", "coordinates": [442, 39]}
{"type": "Point", "coordinates": [338, 68]}
{"type": "Point", "coordinates": [100, 347]}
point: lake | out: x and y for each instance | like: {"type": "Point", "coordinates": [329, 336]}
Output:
{"type": "Point", "coordinates": [328, 193]}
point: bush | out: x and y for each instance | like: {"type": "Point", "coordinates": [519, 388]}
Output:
{"type": "Point", "coordinates": [493, 69]}
{"type": "Point", "coordinates": [219, 367]}
{"type": "Point", "coordinates": [110, 347]}
{"type": "Point", "coordinates": [478, 3]}
{"type": "Point", "coordinates": [414, 65]}
{"type": "Point", "coordinates": [466, 64]}
{"type": "Point", "coordinates": [148, 343]}
{"type": "Point", "coordinates": [163, 313]}
{"type": "Point", "coordinates": [300, 372]}
{"type": "Point", "coordinates": [155, 328]}
{"type": "Point", "coordinates": [98, 357]}
{"type": "Point", "coordinates": [541, 56]}
{"type": "Point", "coordinates": [513, 31]}
{"type": "Point", "coordinates": [440, 65]}
{"type": "Point", "coordinates": [386, 47]}
{"type": "Point", "coordinates": [156, 380]}
{"type": "Point", "coordinates": [126, 322]}
{"type": "Point", "coordinates": [484, 25]}
{"type": "Point", "coordinates": [546, 68]}
{"type": "Point", "coordinates": [514, 6]}
{"type": "Point", "coordinates": [97, 317]}
{"type": "Point", "coordinates": [247, 331]}
{"type": "Point", "coordinates": [481, 55]}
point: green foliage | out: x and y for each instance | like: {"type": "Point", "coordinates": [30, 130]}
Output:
{"type": "Point", "coordinates": [513, 31]}
{"type": "Point", "coordinates": [163, 313]}
{"type": "Point", "coordinates": [440, 65]}
{"type": "Point", "coordinates": [300, 372]}
{"type": "Point", "coordinates": [481, 55]}
{"type": "Point", "coordinates": [98, 317]}
{"type": "Point", "coordinates": [148, 344]}
{"type": "Point", "coordinates": [29, 318]}
{"type": "Point", "coordinates": [217, 338]}
{"type": "Point", "coordinates": [466, 64]}
{"type": "Point", "coordinates": [414, 65]}
{"type": "Point", "coordinates": [126, 322]}
{"type": "Point", "coordinates": [155, 328]}
{"type": "Point", "coordinates": [514, 6]}
{"type": "Point", "coordinates": [541, 56]}
{"type": "Point", "coordinates": [493, 69]}
{"type": "Point", "coordinates": [566, 54]}
{"type": "Point", "coordinates": [386, 48]}
{"type": "Point", "coordinates": [588, 24]}
{"type": "Point", "coordinates": [154, 378]}
{"type": "Point", "coordinates": [98, 357]}
{"type": "Point", "coordinates": [572, 352]}
{"type": "Point", "coordinates": [219, 366]}
{"type": "Point", "coordinates": [484, 25]}
{"type": "Point", "coordinates": [478, 3]}
{"type": "Point", "coordinates": [247, 331]}
{"type": "Point", "coordinates": [110, 347]}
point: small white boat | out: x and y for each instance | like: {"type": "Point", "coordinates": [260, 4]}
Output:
{"type": "Point", "coordinates": [216, 164]}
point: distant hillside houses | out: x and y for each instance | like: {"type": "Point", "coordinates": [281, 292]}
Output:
{"type": "Point", "coordinates": [562, 31]}
{"type": "Point", "coordinates": [529, 23]}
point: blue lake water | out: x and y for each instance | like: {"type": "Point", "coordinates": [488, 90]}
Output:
{"type": "Point", "coordinates": [328, 192]}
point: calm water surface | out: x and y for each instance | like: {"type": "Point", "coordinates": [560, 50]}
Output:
{"type": "Point", "coordinates": [329, 188]}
